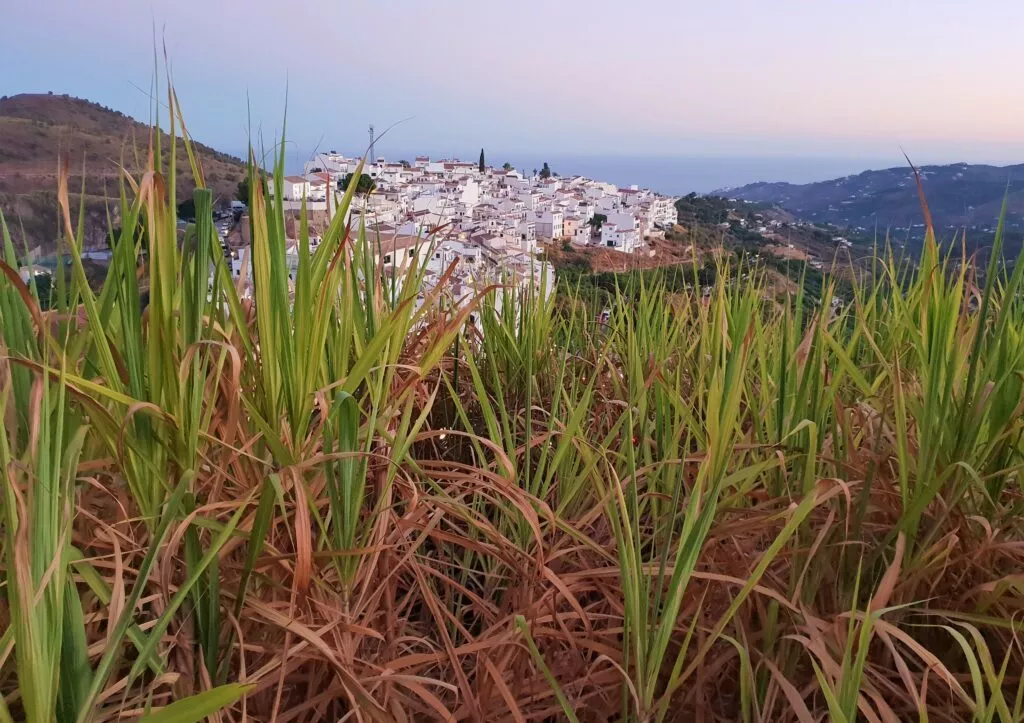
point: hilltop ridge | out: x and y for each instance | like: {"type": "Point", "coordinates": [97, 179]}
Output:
{"type": "Point", "coordinates": [36, 128]}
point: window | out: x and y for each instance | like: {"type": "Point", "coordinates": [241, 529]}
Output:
{"type": "Point", "coordinates": [411, 252]}
{"type": "Point", "coordinates": [387, 259]}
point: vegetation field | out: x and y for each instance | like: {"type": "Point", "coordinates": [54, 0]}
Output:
{"type": "Point", "coordinates": [336, 501]}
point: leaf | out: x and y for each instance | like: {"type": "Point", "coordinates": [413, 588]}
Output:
{"type": "Point", "coordinates": [545, 670]}
{"type": "Point", "coordinates": [889, 579]}
{"type": "Point", "coordinates": [199, 706]}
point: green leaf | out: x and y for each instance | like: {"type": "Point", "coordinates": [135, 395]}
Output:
{"type": "Point", "coordinates": [199, 706]}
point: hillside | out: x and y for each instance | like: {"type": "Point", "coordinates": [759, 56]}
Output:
{"type": "Point", "coordinates": [36, 128]}
{"type": "Point", "coordinates": [960, 196]}
{"type": "Point", "coordinates": [712, 229]}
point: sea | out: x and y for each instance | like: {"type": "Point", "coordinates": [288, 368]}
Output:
{"type": "Point", "coordinates": [679, 175]}
{"type": "Point", "coordinates": [667, 174]}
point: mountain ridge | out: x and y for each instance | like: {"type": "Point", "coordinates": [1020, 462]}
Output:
{"type": "Point", "coordinates": [959, 195]}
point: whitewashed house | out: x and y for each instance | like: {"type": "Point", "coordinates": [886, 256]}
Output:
{"type": "Point", "coordinates": [621, 239]}
{"type": "Point", "coordinates": [317, 190]}
{"type": "Point", "coordinates": [294, 188]}
{"type": "Point", "coordinates": [664, 212]}
{"type": "Point", "coordinates": [528, 236]}
{"type": "Point", "coordinates": [549, 225]}
{"type": "Point", "coordinates": [397, 251]}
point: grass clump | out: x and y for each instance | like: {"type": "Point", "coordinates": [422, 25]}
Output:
{"type": "Point", "coordinates": [340, 496]}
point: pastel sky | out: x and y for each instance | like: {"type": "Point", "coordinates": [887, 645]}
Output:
{"type": "Point", "coordinates": [939, 78]}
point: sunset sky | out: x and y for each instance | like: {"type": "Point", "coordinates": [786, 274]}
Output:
{"type": "Point", "coordinates": [941, 79]}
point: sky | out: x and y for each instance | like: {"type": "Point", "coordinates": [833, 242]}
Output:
{"type": "Point", "coordinates": [867, 79]}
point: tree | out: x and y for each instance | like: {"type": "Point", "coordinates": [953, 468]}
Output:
{"type": "Point", "coordinates": [405, 164]}
{"type": "Point", "coordinates": [44, 290]}
{"type": "Point", "coordinates": [507, 166]}
{"type": "Point", "coordinates": [535, 171]}
{"type": "Point", "coordinates": [187, 210]}
{"type": "Point", "coordinates": [597, 221]}
{"type": "Point", "coordinates": [545, 172]}
{"type": "Point", "coordinates": [364, 185]}
{"type": "Point", "coordinates": [482, 166]}
{"type": "Point", "coordinates": [242, 193]}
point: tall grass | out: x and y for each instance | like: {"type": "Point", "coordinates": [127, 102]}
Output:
{"type": "Point", "coordinates": [335, 500]}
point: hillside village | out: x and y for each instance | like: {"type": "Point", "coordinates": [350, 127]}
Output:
{"type": "Point", "coordinates": [495, 221]}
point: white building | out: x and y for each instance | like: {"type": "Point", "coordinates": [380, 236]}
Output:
{"type": "Point", "coordinates": [397, 251]}
{"type": "Point", "coordinates": [619, 238]}
{"type": "Point", "coordinates": [528, 235]}
{"type": "Point", "coordinates": [330, 162]}
{"type": "Point", "coordinates": [294, 188]}
{"type": "Point", "coordinates": [317, 190]}
{"type": "Point", "coordinates": [549, 225]}
{"type": "Point", "coordinates": [663, 211]}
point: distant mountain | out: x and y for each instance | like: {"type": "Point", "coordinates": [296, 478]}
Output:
{"type": "Point", "coordinates": [959, 195]}
{"type": "Point", "coordinates": [36, 128]}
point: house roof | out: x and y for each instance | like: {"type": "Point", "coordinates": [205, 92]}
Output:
{"type": "Point", "coordinates": [389, 243]}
